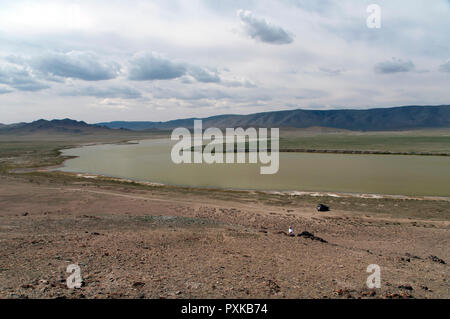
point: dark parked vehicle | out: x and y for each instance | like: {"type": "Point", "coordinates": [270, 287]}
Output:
{"type": "Point", "coordinates": [322, 208]}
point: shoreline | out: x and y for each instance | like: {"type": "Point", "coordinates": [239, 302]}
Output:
{"type": "Point", "coordinates": [270, 192]}
{"type": "Point", "coordinates": [327, 151]}
{"type": "Point", "coordinates": [336, 194]}
{"type": "Point", "coordinates": [357, 152]}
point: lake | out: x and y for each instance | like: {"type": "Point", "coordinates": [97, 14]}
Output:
{"type": "Point", "coordinates": [150, 161]}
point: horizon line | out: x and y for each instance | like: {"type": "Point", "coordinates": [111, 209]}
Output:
{"type": "Point", "coordinates": [233, 114]}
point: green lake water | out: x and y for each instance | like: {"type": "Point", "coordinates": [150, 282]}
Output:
{"type": "Point", "coordinates": [378, 174]}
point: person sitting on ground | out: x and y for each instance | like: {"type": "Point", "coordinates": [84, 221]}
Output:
{"type": "Point", "coordinates": [291, 231]}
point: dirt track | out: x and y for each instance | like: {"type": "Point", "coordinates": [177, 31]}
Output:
{"type": "Point", "coordinates": [145, 243]}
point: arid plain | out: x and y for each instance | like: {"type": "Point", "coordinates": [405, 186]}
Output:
{"type": "Point", "coordinates": [142, 241]}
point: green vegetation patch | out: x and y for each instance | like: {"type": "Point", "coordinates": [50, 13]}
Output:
{"type": "Point", "coordinates": [381, 142]}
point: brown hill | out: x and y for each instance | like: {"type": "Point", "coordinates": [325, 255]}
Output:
{"type": "Point", "coordinates": [60, 127]}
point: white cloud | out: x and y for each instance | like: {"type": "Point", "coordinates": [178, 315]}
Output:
{"type": "Point", "coordinates": [152, 66]}
{"type": "Point", "coordinates": [20, 78]}
{"type": "Point", "coordinates": [82, 65]}
{"type": "Point", "coordinates": [184, 58]}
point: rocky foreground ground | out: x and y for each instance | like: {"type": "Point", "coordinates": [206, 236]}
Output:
{"type": "Point", "coordinates": [133, 242]}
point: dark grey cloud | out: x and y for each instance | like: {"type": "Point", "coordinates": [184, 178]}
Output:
{"type": "Point", "coordinates": [445, 67]}
{"type": "Point", "coordinates": [261, 30]}
{"type": "Point", "coordinates": [75, 64]}
{"type": "Point", "coordinates": [123, 92]}
{"type": "Point", "coordinates": [394, 66]}
{"type": "Point", "coordinates": [20, 78]}
{"type": "Point", "coordinates": [148, 66]}
{"type": "Point", "coordinates": [152, 66]}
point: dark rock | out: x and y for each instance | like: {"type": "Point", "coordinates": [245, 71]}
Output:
{"type": "Point", "coordinates": [311, 236]}
{"type": "Point", "coordinates": [412, 256]}
{"type": "Point", "coordinates": [138, 284]}
{"type": "Point", "coordinates": [403, 295]}
{"type": "Point", "coordinates": [344, 293]}
{"type": "Point", "coordinates": [27, 286]}
{"type": "Point", "coordinates": [437, 259]}
{"type": "Point", "coordinates": [406, 287]}
{"type": "Point", "coordinates": [370, 293]}
{"type": "Point", "coordinates": [306, 234]}
{"type": "Point", "coordinates": [273, 286]}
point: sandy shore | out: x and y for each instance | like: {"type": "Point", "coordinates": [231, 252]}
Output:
{"type": "Point", "coordinates": [283, 193]}
{"type": "Point", "coordinates": [157, 242]}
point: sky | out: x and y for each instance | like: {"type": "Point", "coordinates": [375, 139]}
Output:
{"type": "Point", "coordinates": [107, 60]}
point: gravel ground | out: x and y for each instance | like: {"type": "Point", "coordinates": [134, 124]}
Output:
{"type": "Point", "coordinates": [144, 243]}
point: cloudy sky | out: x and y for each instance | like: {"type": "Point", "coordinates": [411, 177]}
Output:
{"type": "Point", "coordinates": [160, 60]}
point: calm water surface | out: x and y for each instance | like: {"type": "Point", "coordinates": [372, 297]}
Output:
{"type": "Point", "coordinates": [381, 174]}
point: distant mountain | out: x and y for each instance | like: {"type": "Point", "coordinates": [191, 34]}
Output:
{"type": "Point", "coordinates": [65, 126]}
{"type": "Point", "coordinates": [379, 119]}
{"type": "Point", "coordinates": [131, 125]}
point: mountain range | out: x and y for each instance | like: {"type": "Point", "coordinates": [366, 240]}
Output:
{"type": "Point", "coordinates": [378, 119]}
{"type": "Point", "coordinates": [64, 127]}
